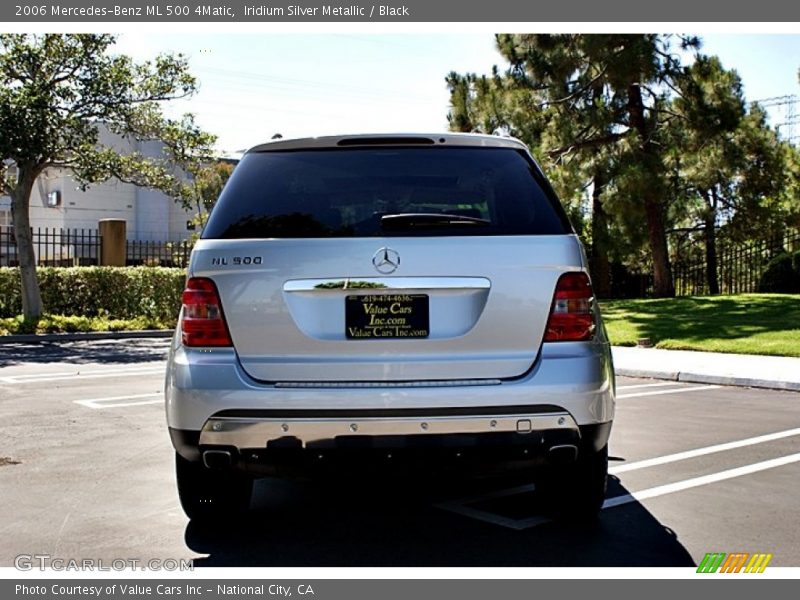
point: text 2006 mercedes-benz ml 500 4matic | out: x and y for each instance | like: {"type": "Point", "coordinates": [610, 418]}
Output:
{"type": "Point", "coordinates": [419, 297]}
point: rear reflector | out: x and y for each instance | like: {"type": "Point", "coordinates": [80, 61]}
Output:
{"type": "Point", "coordinates": [572, 315]}
{"type": "Point", "coordinates": [203, 323]}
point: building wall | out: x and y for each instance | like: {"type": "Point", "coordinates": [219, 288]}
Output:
{"type": "Point", "coordinates": [149, 214]}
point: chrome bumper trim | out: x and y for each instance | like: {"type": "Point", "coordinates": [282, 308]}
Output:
{"type": "Point", "coordinates": [386, 384]}
{"type": "Point", "coordinates": [257, 432]}
{"type": "Point", "coordinates": [372, 285]}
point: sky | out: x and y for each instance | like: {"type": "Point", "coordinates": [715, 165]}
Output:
{"type": "Point", "coordinates": [254, 85]}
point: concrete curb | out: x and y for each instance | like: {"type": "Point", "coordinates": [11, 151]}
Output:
{"type": "Point", "coordinates": [80, 337]}
{"type": "Point", "coordinates": [688, 377]}
{"type": "Point", "coordinates": [683, 376]}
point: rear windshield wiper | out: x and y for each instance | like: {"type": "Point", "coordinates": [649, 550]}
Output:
{"type": "Point", "coordinates": [402, 220]}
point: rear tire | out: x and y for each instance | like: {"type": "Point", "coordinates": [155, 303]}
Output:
{"type": "Point", "coordinates": [207, 494]}
{"type": "Point", "coordinates": [577, 491]}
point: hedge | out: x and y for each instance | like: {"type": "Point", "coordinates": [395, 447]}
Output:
{"type": "Point", "coordinates": [111, 292]}
{"type": "Point", "coordinates": [782, 275]}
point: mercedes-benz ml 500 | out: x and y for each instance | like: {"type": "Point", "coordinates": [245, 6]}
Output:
{"type": "Point", "coordinates": [407, 296]}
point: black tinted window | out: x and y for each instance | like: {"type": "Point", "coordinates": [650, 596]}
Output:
{"type": "Point", "coordinates": [359, 192]}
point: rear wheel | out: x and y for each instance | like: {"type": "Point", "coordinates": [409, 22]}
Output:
{"type": "Point", "coordinates": [209, 494]}
{"type": "Point", "coordinates": [577, 491]}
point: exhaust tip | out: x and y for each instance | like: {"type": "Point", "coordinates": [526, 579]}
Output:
{"type": "Point", "coordinates": [564, 454]}
{"type": "Point", "coordinates": [217, 459]}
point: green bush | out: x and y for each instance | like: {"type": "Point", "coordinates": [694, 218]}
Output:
{"type": "Point", "coordinates": [112, 293]}
{"type": "Point", "coordinates": [782, 275]}
{"type": "Point", "coordinates": [62, 324]}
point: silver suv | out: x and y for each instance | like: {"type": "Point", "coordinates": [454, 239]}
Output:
{"type": "Point", "coordinates": [388, 298]}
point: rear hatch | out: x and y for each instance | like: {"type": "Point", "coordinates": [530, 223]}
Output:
{"type": "Point", "coordinates": [386, 262]}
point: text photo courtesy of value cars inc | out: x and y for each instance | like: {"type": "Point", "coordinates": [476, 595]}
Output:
{"type": "Point", "coordinates": [434, 298]}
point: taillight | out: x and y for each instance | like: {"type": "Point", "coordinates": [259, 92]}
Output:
{"type": "Point", "coordinates": [203, 323]}
{"type": "Point", "coordinates": [572, 315]}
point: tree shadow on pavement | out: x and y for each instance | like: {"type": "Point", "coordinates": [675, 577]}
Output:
{"type": "Point", "coordinates": [398, 523]}
{"type": "Point", "coordinates": [123, 351]}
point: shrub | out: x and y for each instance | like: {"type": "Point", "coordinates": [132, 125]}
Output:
{"type": "Point", "coordinates": [782, 275]}
{"type": "Point", "coordinates": [62, 324]}
{"type": "Point", "coordinates": [122, 293]}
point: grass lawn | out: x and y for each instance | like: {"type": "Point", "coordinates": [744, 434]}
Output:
{"type": "Point", "coordinates": [742, 324]}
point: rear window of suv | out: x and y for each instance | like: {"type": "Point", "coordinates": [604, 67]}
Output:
{"type": "Point", "coordinates": [363, 192]}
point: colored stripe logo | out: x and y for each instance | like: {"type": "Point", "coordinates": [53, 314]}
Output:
{"type": "Point", "coordinates": [737, 562]}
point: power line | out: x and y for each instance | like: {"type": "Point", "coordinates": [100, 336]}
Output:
{"type": "Point", "coordinates": [787, 105]}
{"type": "Point", "coordinates": [779, 100]}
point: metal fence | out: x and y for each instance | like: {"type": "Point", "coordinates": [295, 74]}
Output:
{"type": "Point", "coordinates": [158, 254]}
{"type": "Point", "coordinates": [56, 247]}
{"type": "Point", "coordinates": [739, 265]}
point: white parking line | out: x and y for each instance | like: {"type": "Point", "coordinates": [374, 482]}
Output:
{"type": "Point", "coordinates": [462, 505]}
{"type": "Point", "coordinates": [98, 374]}
{"type": "Point", "coordinates": [670, 458]}
{"type": "Point", "coordinates": [111, 401]}
{"type": "Point", "coordinates": [682, 390]}
{"type": "Point", "coordinates": [649, 385]}
{"type": "Point", "coordinates": [520, 489]}
{"type": "Point", "coordinates": [702, 480]}
{"type": "Point", "coordinates": [494, 519]}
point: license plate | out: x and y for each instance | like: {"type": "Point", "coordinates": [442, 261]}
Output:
{"type": "Point", "coordinates": [386, 316]}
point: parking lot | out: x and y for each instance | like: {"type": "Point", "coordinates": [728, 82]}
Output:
{"type": "Point", "coordinates": [86, 471]}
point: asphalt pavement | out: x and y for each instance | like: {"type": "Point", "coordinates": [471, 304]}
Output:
{"type": "Point", "coordinates": [86, 470]}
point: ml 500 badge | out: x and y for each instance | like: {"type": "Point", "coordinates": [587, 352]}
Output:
{"type": "Point", "coordinates": [219, 261]}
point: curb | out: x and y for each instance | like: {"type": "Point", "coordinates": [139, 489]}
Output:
{"type": "Point", "coordinates": [688, 377]}
{"type": "Point", "coordinates": [80, 337]}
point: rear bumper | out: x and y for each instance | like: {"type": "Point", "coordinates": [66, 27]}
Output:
{"type": "Point", "coordinates": [567, 398]}
{"type": "Point", "coordinates": [254, 431]}
{"type": "Point", "coordinates": [499, 451]}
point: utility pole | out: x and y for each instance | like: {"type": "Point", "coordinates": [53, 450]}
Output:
{"type": "Point", "coordinates": [787, 123]}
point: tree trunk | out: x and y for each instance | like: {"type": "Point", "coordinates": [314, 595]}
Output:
{"type": "Point", "coordinates": [776, 238]}
{"type": "Point", "coordinates": [600, 267]}
{"type": "Point", "coordinates": [20, 212]}
{"type": "Point", "coordinates": [653, 199]}
{"type": "Point", "coordinates": [662, 273]}
{"type": "Point", "coordinates": [200, 223]}
{"type": "Point", "coordinates": [710, 235]}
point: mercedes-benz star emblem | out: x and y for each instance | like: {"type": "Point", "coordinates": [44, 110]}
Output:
{"type": "Point", "coordinates": [386, 260]}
